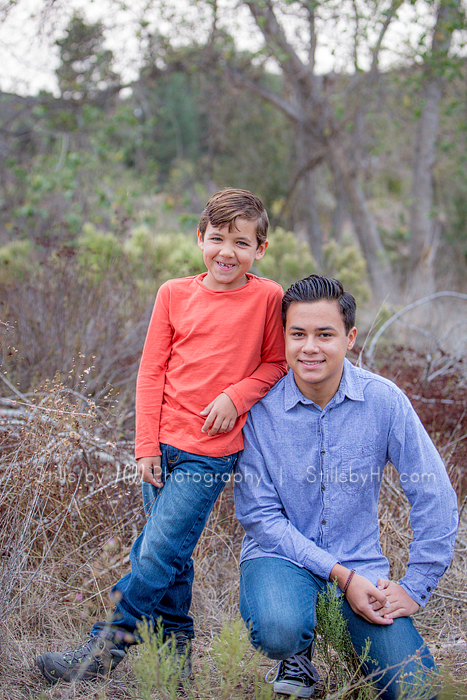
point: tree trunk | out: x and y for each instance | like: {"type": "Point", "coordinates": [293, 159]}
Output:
{"type": "Point", "coordinates": [423, 224]}
{"type": "Point", "coordinates": [425, 227]}
{"type": "Point", "coordinates": [307, 221]}
{"type": "Point", "coordinates": [364, 225]}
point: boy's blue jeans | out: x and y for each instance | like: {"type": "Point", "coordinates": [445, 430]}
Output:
{"type": "Point", "coordinates": [278, 603]}
{"type": "Point", "coordinates": [161, 577]}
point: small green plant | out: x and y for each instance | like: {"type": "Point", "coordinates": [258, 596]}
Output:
{"type": "Point", "coordinates": [228, 672]}
{"type": "Point", "coordinates": [157, 667]}
{"type": "Point", "coordinates": [334, 646]}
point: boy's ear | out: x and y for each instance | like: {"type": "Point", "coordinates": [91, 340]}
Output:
{"type": "Point", "coordinates": [261, 249]}
{"type": "Point", "coordinates": [352, 338]}
{"type": "Point", "coordinates": [200, 240]}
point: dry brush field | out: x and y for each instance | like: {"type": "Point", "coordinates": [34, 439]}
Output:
{"type": "Point", "coordinates": [70, 509]}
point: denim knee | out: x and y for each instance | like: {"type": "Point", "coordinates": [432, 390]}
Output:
{"type": "Point", "coordinates": [280, 639]}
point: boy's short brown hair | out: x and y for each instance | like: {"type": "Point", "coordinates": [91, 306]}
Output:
{"type": "Point", "coordinates": [230, 204]}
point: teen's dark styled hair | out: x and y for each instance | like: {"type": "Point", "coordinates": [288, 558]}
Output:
{"type": "Point", "coordinates": [315, 288]}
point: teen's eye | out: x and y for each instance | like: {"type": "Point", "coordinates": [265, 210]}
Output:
{"type": "Point", "coordinates": [325, 335]}
{"type": "Point", "coordinates": [297, 334]}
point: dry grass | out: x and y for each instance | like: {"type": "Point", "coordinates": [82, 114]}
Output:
{"type": "Point", "coordinates": [69, 511]}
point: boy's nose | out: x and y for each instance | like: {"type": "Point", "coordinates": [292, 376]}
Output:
{"type": "Point", "coordinates": [310, 346]}
{"type": "Point", "coordinates": [227, 250]}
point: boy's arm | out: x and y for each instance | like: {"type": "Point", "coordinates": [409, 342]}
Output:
{"type": "Point", "coordinates": [260, 511]}
{"type": "Point", "coordinates": [273, 366]}
{"type": "Point", "coordinates": [433, 515]}
{"type": "Point", "coordinates": [151, 378]}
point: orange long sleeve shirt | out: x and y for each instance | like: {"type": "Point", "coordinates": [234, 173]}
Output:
{"type": "Point", "coordinates": [200, 343]}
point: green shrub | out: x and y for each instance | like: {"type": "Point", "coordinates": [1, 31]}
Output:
{"type": "Point", "coordinates": [228, 672]}
{"type": "Point", "coordinates": [287, 258]}
{"type": "Point", "coordinates": [334, 646]}
{"type": "Point", "coordinates": [17, 261]}
{"type": "Point", "coordinates": [97, 251]}
{"type": "Point", "coordinates": [162, 256]}
{"type": "Point", "coordinates": [346, 263]}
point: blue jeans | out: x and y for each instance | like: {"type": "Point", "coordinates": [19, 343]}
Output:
{"type": "Point", "coordinates": [159, 584]}
{"type": "Point", "coordinates": [278, 604]}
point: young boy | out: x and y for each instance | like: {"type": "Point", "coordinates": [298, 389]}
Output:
{"type": "Point", "coordinates": [214, 347]}
{"type": "Point", "coordinates": [306, 493]}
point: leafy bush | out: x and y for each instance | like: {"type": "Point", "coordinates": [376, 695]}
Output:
{"type": "Point", "coordinates": [287, 259]}
{"type": "Point", "coordinates": [17, 261]}
{"type": "Point", "coordinates": [163, 256]}
{"type": "Point", "coordinates": [346, 263]}
{"type": "Point", "coordinates": [98, 252]}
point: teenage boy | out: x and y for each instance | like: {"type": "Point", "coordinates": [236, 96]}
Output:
{"type": "Point", "coordinates": [214, 347]}
{"type": "Point", "coordinates": [306, 492]}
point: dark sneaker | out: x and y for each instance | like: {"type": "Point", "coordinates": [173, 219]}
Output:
{"type": "Point", "coordinates": [183, 654]}
{"type": "Point", "coordinates": [297, 675]}
{"type": "Point", "coordinates": [94, 658]}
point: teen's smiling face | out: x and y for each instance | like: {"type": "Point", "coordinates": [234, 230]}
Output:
{"type": "Point", "coordinates": [315, 346]}
{"type": "Point", "coordinates": [228, 255]}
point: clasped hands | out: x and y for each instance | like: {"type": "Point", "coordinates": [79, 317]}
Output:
{"type": "Point", "coordinates": [221, 415]}
{"type": "Point", "coordinates": [380, 604]}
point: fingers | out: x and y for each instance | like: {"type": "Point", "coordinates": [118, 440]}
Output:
{"type": "Point", "coordinates": [206, 411]}
{"type": "Point", "coordinates": [400, 602]}
{"type": "Point", "coordinates": [149, 469]}
{"type": "Point", "coordinates": [382, 583]}
{"type": "Point", "coordinates": [367, 601]}
{"type": "Point", "coordinates": [221, 415]}
{"type": "Point", "coordinates": [218, 424]}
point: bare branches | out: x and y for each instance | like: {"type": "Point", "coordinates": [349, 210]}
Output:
{"type": "Point", "coordinates": [390, 15]}
{"type": "Point", "coordinates": [285, 54]}
{"type": "Point", "coordinates": [401, 312]}
{"type": "Point", "coordinates": [273, 98]}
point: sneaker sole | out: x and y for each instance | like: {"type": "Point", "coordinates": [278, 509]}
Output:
{"type": "Point", "coordinates": [287, 688]}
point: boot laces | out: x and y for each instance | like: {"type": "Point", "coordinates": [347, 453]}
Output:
{"type": "Point", "coordinates": [87, 649]}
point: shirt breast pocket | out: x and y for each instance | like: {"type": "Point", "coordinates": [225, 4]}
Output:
{"type": "Point", "coordinates": [359, 469]}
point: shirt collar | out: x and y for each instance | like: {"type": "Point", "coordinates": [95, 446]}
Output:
{"type": "Point", "coordinates": [350, 387]}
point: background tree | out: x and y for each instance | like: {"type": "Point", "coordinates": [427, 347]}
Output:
{"type": "Point", "coordinates": [85, 73]}
{"type": "Point", "coordinates": [425, 225]}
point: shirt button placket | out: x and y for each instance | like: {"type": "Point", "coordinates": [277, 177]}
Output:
{"type": "Point", "coordinates": [322, 453]}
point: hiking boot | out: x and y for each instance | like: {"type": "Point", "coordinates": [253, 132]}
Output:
{"type": "Point", "coordinates": [183, 654]}
{"type": "Point", "coordinates": [296, 675]}
{"type": "Point", "coordinates": [96, 657]}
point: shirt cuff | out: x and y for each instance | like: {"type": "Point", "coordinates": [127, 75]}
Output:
{"type": "Point", "coordinates": [323, 566]}
{"type": "Point", "coordinates": [236, 399]}
{"type": "Point", "coordinates": [419, 585]}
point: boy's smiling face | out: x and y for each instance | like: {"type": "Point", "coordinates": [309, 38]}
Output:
{"type": "Point", "coordinates": [316, 343]}
{"type": "Point", "coordinates": [228, 255]}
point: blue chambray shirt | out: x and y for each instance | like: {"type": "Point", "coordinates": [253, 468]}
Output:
{"type": "Point", "coordinates": [307, 483]}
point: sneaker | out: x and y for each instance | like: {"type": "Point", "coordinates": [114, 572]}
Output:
{"type": "Point", "coordinates": [183, 654]}
{"type": "Point", "coordinates": [296, 675]}
{"type": "Point", "coordinates": [96, 657]}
